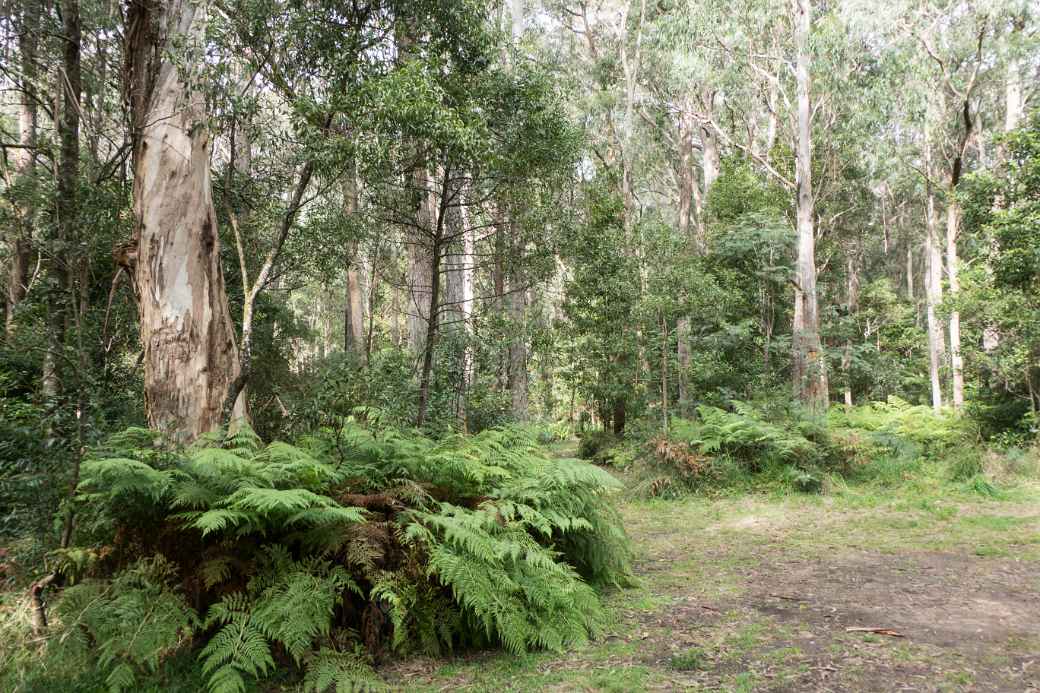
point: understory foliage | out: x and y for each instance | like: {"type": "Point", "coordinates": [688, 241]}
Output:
{"type": "Point", "coordinates": [321, 557]}
{"type": "Point", "coordinates": [747, 444]}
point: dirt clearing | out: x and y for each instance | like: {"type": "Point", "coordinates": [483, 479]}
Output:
{"type": "Point", "coordinates": [780, 594]}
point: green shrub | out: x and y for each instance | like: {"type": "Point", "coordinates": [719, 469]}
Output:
{"type": "Point", "coordinates": [557, 432]}
{"type": "Point", "coordinates": [905, 428]}
{"type": "Point", "coordinates": [595, 445]}
{"type": "Point", "coordinates": [751, 446]}
{"type": "Point", "coordinates": [317, 557]}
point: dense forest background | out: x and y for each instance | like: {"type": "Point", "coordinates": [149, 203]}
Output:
{"type": "Point", "coordinates": [481, 225]}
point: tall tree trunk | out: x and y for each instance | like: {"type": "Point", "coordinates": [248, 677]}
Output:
{"type": "Point", "coordinates": [1014, 103]}
{"type": "Point", "coordinates": [24, 164]}
{"type": "Point", "coordinates": [468, 265]}
{"type": "Point", "coordinates": [711, 164]}
{"type": "Point", "coordinates": [664, 373]}
{"type": "Point", "coordinates": [419, 281]}
{"type": "Point", "coordinates": [933, 297]}
{"type": "Point", "coordinates": [455, 301]}
{"type": "Point", "coordinates": [956, 361]}
{"type": "Point", "coordinates": [190, 353]}
{"type": "Point", "coordinates": [1014, 110]}
{"type": "Point", "coordinates": [355, 311]}
{"type": "Point", "coordinates": [354, 317]}
{"type": "Point", "coordinates": [518, 380]}
{"type": "Point", "coordinates": [433, 310]}
{"type": "Point", "coordinates": [396, 337]}
{"type": "Point", "coordinates": [909, 269]}
{"type": "Point", "coordinates": [692, 231]}
{"type": "Point", "coordinates": [809, 364]}
{"type": "Point", "coordinates": [851, 301]}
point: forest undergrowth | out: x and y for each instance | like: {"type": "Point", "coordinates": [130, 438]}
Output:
{"type": "Point", "coordinates": [340, 561]}
{"type": "Point", "coordinates": [232, 562]}
{"type": "Point", "coordinates": [916, 567]}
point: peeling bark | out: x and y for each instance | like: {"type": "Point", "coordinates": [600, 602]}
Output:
{"type": "Point", "coordinates": [190, 353]}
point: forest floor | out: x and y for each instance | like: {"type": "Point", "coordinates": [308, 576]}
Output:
{"type": "Point", "coordinates": [763, 593]}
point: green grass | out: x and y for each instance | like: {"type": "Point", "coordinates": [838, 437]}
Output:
{"type": "Point", "coordinates": [689, 623]}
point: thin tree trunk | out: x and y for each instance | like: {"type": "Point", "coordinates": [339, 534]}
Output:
{"type": "Point", "coordinates": [190, 353]}
{"type": "Point", "coordinates": [851, 300]}
{"type": "Point", "coordinates": [1014, 110]}
{"type": "Point", "coordinates": [933, 297]}
{"type": "Point", "coordinates": [234, 406]}
{"type": "Point", "coordinates": [373, 289]}
{"type": "Point", "coordinates": [695, 234]}
{"type": "Point", "coordinates": [354, 318]}
{"type": "Point", "coordinates": [1014, 103]}
{"type": "Point", "coordinates": [420, 282]}
{"type": "Point", "coordinates": [429, 343]}
{"type": "Point", "coordinates": [24, 163]}
{"type": "Point", "coordinates": [664, 373]}
{"type": "Point", "coordinates": [956, 360]}
{"type": "Point", "coordinates": [468, 262]}
{"type": "Point", "coordinates": [518, 376]}
{"type": "Point", "coordinates": [68, 210]}
{"type": "Point", "coordinates": [909, 269]}
{"type": "Point", "coordinates": [810, 370]}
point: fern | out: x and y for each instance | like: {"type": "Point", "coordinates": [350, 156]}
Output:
{"type": "Point", "coordinates": [132, 622]}
{"type": "Point", "coordinates": [341, 672]}
{"type": "Point", "coordinates": [514, 588]}
{"type": "Point", "coordinates": [466, 540]}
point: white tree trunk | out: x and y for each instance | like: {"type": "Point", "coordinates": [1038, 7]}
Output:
{"type": "Point", "coordinates": [809, 364]}
{"type": "Point", "coordinates": [852, 301]}
{"type": "Point", "coordinates": [1014, 103]}
{"type": "Point", "coordinates": [190, 352]}
{"type": "Point", "coordinates": [956, 361]}
{"type": "Point", "coordinates": [933, 297]}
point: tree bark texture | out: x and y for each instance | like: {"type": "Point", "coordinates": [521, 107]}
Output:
{"type": "Point", "coordinates": [956, 360]}
{"type": "Point", "coordinates": [809, 364]}
{"type": "Point", "coordinates": [933, 297]}
{"type": "Point", "coordinates": [190, 352]}
{"type": "Point", "coordinates": [354, 317]}
{"type": "Point", "coordinates": [24, 162]}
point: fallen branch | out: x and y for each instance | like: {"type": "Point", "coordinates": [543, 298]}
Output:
{"type": "Point", "coordinates": [878, 631]}
{"type": "Point", "coordinates": [39, 606]}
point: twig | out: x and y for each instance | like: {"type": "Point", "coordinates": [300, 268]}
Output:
{"type": "Point", "coordinates": [878, 631]}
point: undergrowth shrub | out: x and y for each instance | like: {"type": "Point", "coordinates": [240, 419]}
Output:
{"type": "Point", "coordinates": [885, 442]}
{"type": "Point", "coordinates": [726, 448]}
{"type": "Point", "coordinates": [906, 429]}
{"type": "Point", "coordinates": [596, 445]}
{"type": "Point", "coordinates": [321, 557]}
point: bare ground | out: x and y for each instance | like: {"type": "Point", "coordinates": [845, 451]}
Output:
{"type": "Point", "coordinates": [759, 594]}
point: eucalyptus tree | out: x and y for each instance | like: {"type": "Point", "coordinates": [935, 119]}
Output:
{"type": "Point", "coordinates": [191, 355]}
{"type": "Point", "coordinates": [25, 26]}
{"type": "Point", "coordinates": [954, 39]}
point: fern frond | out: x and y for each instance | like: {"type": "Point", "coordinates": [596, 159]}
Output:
{"type": "Point", "coordinates": [341, 672]}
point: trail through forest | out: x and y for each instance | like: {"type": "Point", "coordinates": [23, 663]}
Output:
{"type": "Point", "coordinates": [765, 594]}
